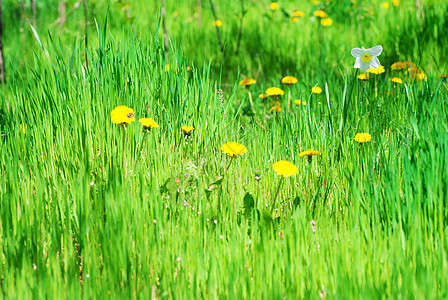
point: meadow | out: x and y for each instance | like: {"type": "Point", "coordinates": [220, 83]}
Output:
{"type": "Point", "coordinates": [130, 169]}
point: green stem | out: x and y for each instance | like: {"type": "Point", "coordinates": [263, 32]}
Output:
{"type": "Point", "coordinates": [309, 179]}
{"type": "Point", "coordinates": [124, 152]}
{"type": "Point", "coordinates": [251, 102]}
{"type": "Point", "coordinates": [289, 100]}
{"type": "Point", "coordinates": [230, 163]}
{"type": "Point", "coordinates": [276, 194]}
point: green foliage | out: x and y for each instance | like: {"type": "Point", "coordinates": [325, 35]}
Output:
{"type": "Point", "coordinates": [91, 209]}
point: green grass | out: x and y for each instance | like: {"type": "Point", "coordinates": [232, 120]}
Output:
{"type": "Point", "coordinates": [90, 210]}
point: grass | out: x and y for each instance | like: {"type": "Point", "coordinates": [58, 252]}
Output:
{"type": "Point", "coordinates": [90, 210]}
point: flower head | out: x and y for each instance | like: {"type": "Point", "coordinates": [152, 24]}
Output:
{"type": "Point", "coordinates": [285, 168]}
{"type": "Point", "coordinates": [396, 80]}
{"type": "Point", "coordinates": [289, 80]}
{"type": "Point", "coordinates": [367, 58]}
{"type": "Point", "coordinates": [363, 137]}
{"type": "Point", "coordinates": [320, 13]}
{"type": "Point", "coordinates": [148, 123]}
{"type": "Point", "coordinates": [274, 6]}
{"type": "Point", "coordinates": [299, 102]}
{"type": "Point", "coordinates": [298, 14]}
{"type": "Point", "coordinates": [316, 90]}
{"type": "Point", "coordinates": [416, 74]}
{"type": "Point", "coordinates": [122, 115]}
{"type": "Point", "coordinates": [364, 76]}
{"type": "Point", "coordinates": [217, 23]}
{"type": "Point", "coordinates": [233, 149]}
{"type": "Point", "coordinates": [401, 65]}
{"type": "Point", "coordinates": [247, 82]}
{"type": "Point", "coordinates": [326, 22]}
{"type": "Point", "coordinates": [274, 91]}
{"type": "Point", "coordinates": [167, 67]}
{"type": "Point", "coordinates": [276, 108]}
{"type": "Point", "coordinates": [385, 5]}
{"type": "Point", "coordinates": [309, 152]}
{"type": "Point", "coordinates": [187, 129]}
{"type": "Point", "coordinates": [376, 71]}
{"type": "Point", "coordinates": [263, 96]}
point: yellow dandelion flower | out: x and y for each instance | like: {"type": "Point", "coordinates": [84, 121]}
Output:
{"type": "Point", "coordinates": [285, 168]}
{"type": "Point", "coordinates": [247, 82]}
{"type": "Point", "coordinates": [274, 91]}
{"type": "Point", "coordinates": [364, 76]}
{"type": "Point", "coordinates": [376, 71]}
{"type": "Point", "coordinates": [420, 76]}
{"type": "Point", "coordinates": [401, 65]}
{"type": "Point", "coordinates": [320, 13]}
{"type": "Point", "coordinates": [263, 96]}
{"type": "Point", "coordinates": [396, 80]}
{"type": "Point", "coordinates": [274, 6]}
{"type": "Point", "coordinates": [217, 23]}
{"type": "Point", "coordinates": [187, 129]}
{"type": "Point", "coordinates": [443, 76]}
{"type": "Point", "coordinates": [294, 19]}
{"type": "Point", "coordinates": [385, 5]}
{"type": "Point", "coordinates": [276, 108]}
{"type": "Point", "coordinates": [148, 123]}
{"type": "Point", "coordinates": [233, 149]}
{"type": "Point", "coordinates": [363, 137]}
{"type": "Point", "coordinates": [396, 2]}
{"type": "Point", "coordinates": [122, 115]}
{"type": "Point", "coordinates": [299, 102]}
{"type": "Point", "coordinates": [416, 74]}
{"type": "Point", "coordinates": [316, 90]}
{"type": "Point", "coordinates": [289, 80]}
{"type": "Point", "coordinates": [326, 22]}
{"type": "Point", "coordinates": [309, 152]}
{"type": "Point", "coordinates": [175, 13]}
{"type": "Point", "coordinates": [167, 67]}
{"type": "Point", "coordinates": [298, 14]}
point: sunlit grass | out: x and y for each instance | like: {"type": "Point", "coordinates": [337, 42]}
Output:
{"type": "Point", "coordinates": [97, 205]}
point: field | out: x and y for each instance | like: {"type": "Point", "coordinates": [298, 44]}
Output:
{"type": "Point", "coordinates": [99, 201]}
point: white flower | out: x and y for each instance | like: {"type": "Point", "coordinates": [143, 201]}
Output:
{"type": "Point", "coordinates": [367, 58]}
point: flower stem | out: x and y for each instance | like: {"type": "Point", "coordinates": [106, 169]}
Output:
{"type": "Point", "coordinates": [309, 179]}
{"type": "Point", "coordinates": [289, 100]}
{"type": "Point", "coordinates": [251, 102]}
{"type": "Point", "coordinates": [276, 194]}
{"type": "Point", "coordinates": [124, 152]}
{"type": "Point", "coordinates": [230, 163]}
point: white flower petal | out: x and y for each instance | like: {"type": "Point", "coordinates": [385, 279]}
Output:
{"type": "Point", "coordinates": [375, 51]}
{"type": "Point", "coordinates": [357, 63]}
{"type": "Point", "coordinates": [365, 66]}
{"type": "Point", "coordinates": [375, 63]}
{"type": "Point", "coordinates": [357, 52]}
